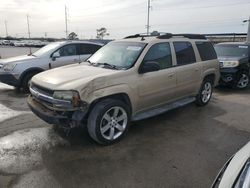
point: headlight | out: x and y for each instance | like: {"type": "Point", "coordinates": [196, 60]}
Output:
{"type": "Point", "coordinates": [228, 64]}
{"type": "Point", "coordinates": [9, 67]}
{"type": "Point", "coordinates": [70, 96]}
{"type": "Point", "coordinates": [244, 178]}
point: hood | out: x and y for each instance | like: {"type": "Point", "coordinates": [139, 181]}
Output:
{"type": "Point", "coordinates": [18, 59]}
{"type": "Point", "coordinates": [228, 58]}
{"type": "Point", "coordinates": [72, 77]}
{"type": "Point", "coordinates": [235, 166]}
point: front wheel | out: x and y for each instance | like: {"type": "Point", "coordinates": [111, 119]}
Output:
{"type": "Point", "coordinates": [205, 93]}
{"type": "Point", "coordinates": [109, 121]}
{"type": "Point", "coordinates": [242, 81]}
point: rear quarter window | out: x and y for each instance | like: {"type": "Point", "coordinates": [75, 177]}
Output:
{"type": "Point", "coordinates": [206, 51]}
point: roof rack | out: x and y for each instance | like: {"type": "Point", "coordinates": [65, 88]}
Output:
{"type": "Point", "coordinates": [168, 36]}
{"type": "Point", "coordinates": [190, 36]}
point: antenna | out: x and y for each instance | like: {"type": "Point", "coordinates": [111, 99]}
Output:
{"type": "Point", "coordinates": [6, 28]}
{"type": "Point", "coordinates": [66, 22]}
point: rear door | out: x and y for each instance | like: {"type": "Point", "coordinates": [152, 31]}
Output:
{"type": "Point", "coordinates": [188, 71]}
{"type": "Point", "coordinates": [86, 50]}
{"type": "Point", "coordinates": [157, 87]}
{"type": "Point", "coordinates": [65, 55]}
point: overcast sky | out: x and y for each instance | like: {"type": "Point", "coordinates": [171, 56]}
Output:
{"type": "Point", "coordinates": [122, 17]}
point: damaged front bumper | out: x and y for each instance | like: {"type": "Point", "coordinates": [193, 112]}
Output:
{"type": "Point", "coordinates": [228, 75]}
{"type": "Point", "coordinates": [63, 119]}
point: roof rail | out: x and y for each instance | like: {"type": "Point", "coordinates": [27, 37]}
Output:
{"type": "Point", "coordinates": [168, 36]}
{"type": "Point", "coordinates": [190, 36]}
{"type": "Point", "coordinates": [138, 35]}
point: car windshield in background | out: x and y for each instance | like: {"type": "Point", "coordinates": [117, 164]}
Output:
{"type": "Point", "coordinates": [121, 55]}
{"type": "Point", "coordinates": [232, 50]}
{"type": "Point", "coordinates": [46, 49]}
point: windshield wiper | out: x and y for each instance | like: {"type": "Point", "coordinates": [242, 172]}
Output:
{"type": "Point", "coordinates": [108, 65]}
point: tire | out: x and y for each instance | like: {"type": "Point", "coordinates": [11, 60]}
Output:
{"type": "Point", "coordinates": [103, 124]}
{"type": "Point", "coordinates": [242, 80]}
{"type": "Point", "coordinates": [205, 93]}
{"type": "Point", "coordinates": [26, 81]}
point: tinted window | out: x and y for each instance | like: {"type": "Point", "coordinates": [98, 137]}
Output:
{"type": "Point", "coordinates": [160, 53]}
{"type": "Point", "coordinates": [206, 51]}
{"type": "Point", "coordinates": [88, 48]}
{"type": "Point", "coordinates": [68, 50]}
{"type": "Point", "coordinates": [184, 53]}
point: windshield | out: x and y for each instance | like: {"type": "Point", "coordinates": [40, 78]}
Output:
{"type": "Point", "coordinates": [232, 50]}
{"type": "Point", "coordinates": [119, 54]}
{"type": "Point", "coordinates": [46, 49]}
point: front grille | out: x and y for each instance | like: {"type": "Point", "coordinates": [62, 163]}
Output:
{"type": "Point", "coordinates": [42, 90]}
{"type": "Point", "coordinates": [42, 95]}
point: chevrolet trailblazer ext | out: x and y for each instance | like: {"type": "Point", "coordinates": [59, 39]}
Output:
{"type": "Point", "coordinates": [130, 79]}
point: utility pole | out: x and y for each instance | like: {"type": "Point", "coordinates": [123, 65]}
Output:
{"type": "Point", "coordinates": [66, 22]}
{"type": "Point", "coordinates": [6, 28]}
{"type": "Point", "coordinates": [28, 23]}
{"type": "Point", "coordinates": [248, 32]}
{"type": "Point", "coordinates": [148, 26]}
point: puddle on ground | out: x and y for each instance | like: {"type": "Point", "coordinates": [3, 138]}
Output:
{"type": "Point", "coordinates": [21, 151]}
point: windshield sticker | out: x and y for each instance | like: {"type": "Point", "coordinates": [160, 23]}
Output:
{"type": "Point", "coordinates": [134, 48]}
{"type": "Point", "coordinates": [243, 47]}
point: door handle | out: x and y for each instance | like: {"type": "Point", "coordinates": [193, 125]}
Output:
{"type": "Point", "coordinates": [76, 60]}
{"type": "Point", "coordinates": [170, 75]}
{"type": "Point", "coordinates": [196, 69]}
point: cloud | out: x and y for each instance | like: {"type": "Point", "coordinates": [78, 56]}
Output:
{"type": "Point", "coordinates": [122, 18]}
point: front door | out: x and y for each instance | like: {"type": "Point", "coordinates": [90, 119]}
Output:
{"type": "Point", "coordinates": [64, 56]}
{"type": "Point", "coordinates": [156, 88]}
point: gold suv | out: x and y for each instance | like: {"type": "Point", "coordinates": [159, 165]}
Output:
{"type": "Point", "coordinates": [127, 80]}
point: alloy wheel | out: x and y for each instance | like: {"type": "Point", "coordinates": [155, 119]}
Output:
{"type": "Point", "coordinates": [113, 123]}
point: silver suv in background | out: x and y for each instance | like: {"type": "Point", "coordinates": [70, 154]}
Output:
{"type": "Point", "coordinates": [18, 71]}
{"type": "Point", "coordinates": [130, 79]}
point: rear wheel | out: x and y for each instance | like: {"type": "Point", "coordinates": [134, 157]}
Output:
{"type": "Point", "coordinates": [109, 121]}
{"type": "Point", "coordinates": [243, 80]}
{"type": "Point", "coordinates": [205, 93]}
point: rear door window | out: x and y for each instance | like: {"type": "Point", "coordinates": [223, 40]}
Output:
{"type": "Point", "coordinates": [85, 49]}
{"type": "Point", "coordinates": [184, 53]}
{"type": "Point", "coordinates": [206, 51]}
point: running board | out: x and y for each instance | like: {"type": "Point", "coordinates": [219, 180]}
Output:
{"type": "Point", "coordinates": [163, 109]}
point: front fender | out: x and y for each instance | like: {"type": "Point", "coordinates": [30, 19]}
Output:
{"type": "Point", "coordinates": [112, 90]}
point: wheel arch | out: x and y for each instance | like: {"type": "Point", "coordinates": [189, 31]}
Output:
{"type": "Point", "coordinates": [30, 70]}
{"type": "Point", "coordinates": [124, 97]}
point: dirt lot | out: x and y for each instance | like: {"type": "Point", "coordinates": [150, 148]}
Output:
{"type": "Point", "coordinates": [182, 148]}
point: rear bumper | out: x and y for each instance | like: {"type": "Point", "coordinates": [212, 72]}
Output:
{"type": "Point", "coordinates": [73, 119]}
{"type": "Point", "coordinates": [9, 79]}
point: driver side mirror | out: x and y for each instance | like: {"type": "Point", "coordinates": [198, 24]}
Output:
{"type": "Point", "coordinates": [55, 55]}
{"type": "Point", "coordinates": [149, 66]}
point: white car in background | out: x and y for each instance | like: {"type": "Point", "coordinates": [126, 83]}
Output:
{"type": "Point", "coordinates": [236, 171]}
{"type": "Point", "coordinates": [18, 71]}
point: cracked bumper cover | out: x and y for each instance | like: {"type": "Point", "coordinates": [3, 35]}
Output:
{"type": "Point", "coordinates": [52, 117]}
